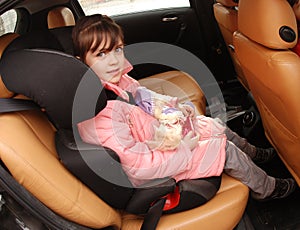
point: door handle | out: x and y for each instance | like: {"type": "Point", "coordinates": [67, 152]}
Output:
{"type": "Point", "coordinates": [169, 19]}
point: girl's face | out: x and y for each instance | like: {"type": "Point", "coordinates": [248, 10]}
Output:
{"type": "Point", "coordinates": [296, 8]}
{"type": "Point", "coordinates": [107, 64]}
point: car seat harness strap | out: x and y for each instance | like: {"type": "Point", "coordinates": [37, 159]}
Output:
{"type": "Point", "coordinates": [13, 105]}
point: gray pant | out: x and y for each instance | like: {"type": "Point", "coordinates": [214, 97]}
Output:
{"type": "Point", "coordinates": [239, 165]}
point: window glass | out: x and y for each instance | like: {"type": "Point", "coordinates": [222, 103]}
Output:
{"type": "Point", "coordinates": [118, 7]}
{"type": "Point", "coordinates": [8, 22]}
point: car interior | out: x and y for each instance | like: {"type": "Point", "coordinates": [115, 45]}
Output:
{"type": "Point", "coordinates": [252, 64]}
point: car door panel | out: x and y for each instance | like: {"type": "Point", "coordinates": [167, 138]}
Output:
{"type": "Point", "coordinates": [176, 26]}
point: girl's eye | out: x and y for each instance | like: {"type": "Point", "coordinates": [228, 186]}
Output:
{"type": "Point", "coordinates": [119, 49]}
{"type": "Point", "coordinates": [101, 54]}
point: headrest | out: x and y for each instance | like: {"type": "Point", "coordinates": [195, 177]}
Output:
{"type": "Point", "coordinates": [56, 39]}
{"type": "Point", "coordinates": [61, 84]}
{"type": "Point", "coordinates": [5, 40]}
{"type": "Point", "coordinates": [59, 17]}
{"type": "Point", "coordinates": [228, 3]}
{"type": "Point", "coordinates": [35, 39]}
{"type": "Point", "coordinates": [271, 23]}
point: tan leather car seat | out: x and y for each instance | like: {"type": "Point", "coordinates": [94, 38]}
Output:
{"type": "Point", "coordinates": [27, 149]}
{"type": "Point", "coordinates": [60, 16]}
{"type": "Point", "coordinates": [178, 84]}
{"type": "Point", "coordinates": [226, 15]}
{"type": "Point", "coordinates": [267, 29]}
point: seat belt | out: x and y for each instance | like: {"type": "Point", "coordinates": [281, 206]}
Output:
{"type": "Point", "coordinates": [13, 105]}
{"type": "Point", "coordinates": [152, 217]}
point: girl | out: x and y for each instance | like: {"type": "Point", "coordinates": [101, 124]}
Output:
{"type": "Point", "coordinates": [126, 128]}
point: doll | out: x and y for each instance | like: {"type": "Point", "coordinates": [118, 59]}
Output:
{"type": "Point", "coordinates": [175, 121]}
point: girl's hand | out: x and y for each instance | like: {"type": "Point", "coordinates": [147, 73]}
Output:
{"type": "Point", "coordinates": [187, 109]}
{"type": "Point", "coordinates": [190, 140]}
{"type": "Point", "coordinates": [164, 138]}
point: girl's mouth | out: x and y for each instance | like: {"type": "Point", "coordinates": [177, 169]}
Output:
{"type": "Point", "coordinates": [114, 71]}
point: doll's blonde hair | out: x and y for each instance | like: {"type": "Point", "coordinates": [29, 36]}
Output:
{"type": "Point", "coordinates": [169, 132]}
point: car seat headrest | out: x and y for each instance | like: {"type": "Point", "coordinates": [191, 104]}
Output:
{"type": "Point", "coordinates": [59, 17]}
{"type": "Point", "coordinates": [5, 40]}
{"type": "Point", "coordinates": [271, 23]}
{"type": "Point", "coordinates": [228, 3]}
{"type": "Point", "coordinates": [59, 38]}
{"type": "Point", "coordinates": [65, 87]}
{"type": "Point", "coordinates": [37, 39]}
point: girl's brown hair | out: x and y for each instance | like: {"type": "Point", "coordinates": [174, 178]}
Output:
{"type": "Point", "coordinates": [90, 31]}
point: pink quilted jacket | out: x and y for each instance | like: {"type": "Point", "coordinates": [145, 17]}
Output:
{"type": "Point", "coordinates": [124, 128]}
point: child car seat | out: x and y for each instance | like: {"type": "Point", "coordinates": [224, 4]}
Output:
{"type": "Point", "coordinates": [51, 76]}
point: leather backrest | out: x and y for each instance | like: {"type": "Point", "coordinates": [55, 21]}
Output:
{"type": "Point", "coordinates": [59, 17]}
{"type": "Point", "coordinates": [226, 15]}
{"type": "Point", "coordinates": [273, 72]}
{"type": "Point", "coordinates": [177, 84]}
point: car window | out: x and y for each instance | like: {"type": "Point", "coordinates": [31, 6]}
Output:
{"type": "Point", "coordinates": [118, 7]}
{"type": "Point", "coordinates": [8, 22]}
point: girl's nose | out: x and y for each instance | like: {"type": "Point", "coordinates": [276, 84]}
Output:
{"type": "Point", "coordinates": [113, 59]}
